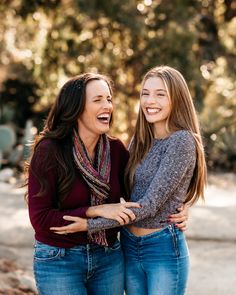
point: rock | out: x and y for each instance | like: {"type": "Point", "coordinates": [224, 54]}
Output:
{"type": "Point", "coordinates": [14, 281]}
{"type": "Point", "coordinates": [4, 187]}
{"type": "Point", "coordinates": [7, 266]}
{"type": "Point", "coordinates": [6, 174]}
{"type": "Point", "coordinates": [26, 282]}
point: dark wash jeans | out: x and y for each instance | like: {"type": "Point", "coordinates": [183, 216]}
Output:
{"type": "Point", "coordinates": [157, 263]}
{"type": "Point", "coordinates": [81, 270]}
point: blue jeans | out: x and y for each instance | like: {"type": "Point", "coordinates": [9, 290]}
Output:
{"type": "Point", "coordinates": [81, 270]}
{"type": "Point", "coordinates": [157, 263]}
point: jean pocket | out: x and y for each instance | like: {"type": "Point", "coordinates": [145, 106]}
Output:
{"type": "Point", "coordinates": [44, 252]}
{"type": "Point", "coordinates": [116, 246]}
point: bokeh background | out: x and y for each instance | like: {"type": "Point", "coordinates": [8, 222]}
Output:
{"type": "Point", "coordinates": [44, 43]}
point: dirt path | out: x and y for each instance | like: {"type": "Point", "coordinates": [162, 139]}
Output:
{"type": "Point", "coordinates": [211, 235]}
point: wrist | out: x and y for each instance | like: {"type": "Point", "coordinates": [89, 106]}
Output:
{"type": "Point", "coordinates": [93, 211]}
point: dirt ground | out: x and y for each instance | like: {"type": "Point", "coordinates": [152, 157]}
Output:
{"type": "Point", "coordinates": [211, 237]}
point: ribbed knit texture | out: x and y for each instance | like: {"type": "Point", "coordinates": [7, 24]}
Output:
{"type": "Point", "coordinates": [161, 182]}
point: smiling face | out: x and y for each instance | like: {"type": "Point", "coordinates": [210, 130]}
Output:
{"type": "Point", "coordinates": [155, 104]}
{"type": "Point", "coordinates": [95, 119]}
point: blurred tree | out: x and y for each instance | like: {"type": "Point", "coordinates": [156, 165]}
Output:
{"type": "Point", "coordinates": [57, 39]}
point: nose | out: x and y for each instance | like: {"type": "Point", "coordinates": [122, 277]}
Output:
{"type": "Point", "coordinates": [107, 105]}
{"type": "Point", "coordinates": [150, 99]}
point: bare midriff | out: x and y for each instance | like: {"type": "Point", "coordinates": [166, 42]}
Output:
{"type": "Point", "coordinates": [139, 231]}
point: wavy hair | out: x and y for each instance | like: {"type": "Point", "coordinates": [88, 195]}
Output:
{"type": "Point", "coordinates": [61, 120]}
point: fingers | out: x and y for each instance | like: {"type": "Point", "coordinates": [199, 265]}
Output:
{"type": "Point", "coordinates": [181, 208]}
{"type": "Point", "coordinates": [178, 215]}
{"type": "Point", "coordinates": [71, 218]}
{"type": "Point", "coordinates": [61, 233]}
{"type": "Point", "coordinates": [182, 226]}
{"type": "Point", "coordinates": [120, 220]}
{"type": "Point", "coordinates": [178, 219]}
{"type": "Point", "coordinates": [125, 217]}
{"type": "Point", "coordinates": [130, 214]}
{"type": "Point", "coordinates": [132, 204]}
{"type": "Point", "coordinates": [122, 200]}
{"type": "Point", "coordinates": [62, 228]}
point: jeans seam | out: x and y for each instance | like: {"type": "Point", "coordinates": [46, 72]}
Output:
{"type": "Point", "coordinates": [175, 241]}
{"type": "Point", "coordinates": [177, 275]}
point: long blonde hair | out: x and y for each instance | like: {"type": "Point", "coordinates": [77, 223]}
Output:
{"type": "Point", "coordinates": [182, 117]}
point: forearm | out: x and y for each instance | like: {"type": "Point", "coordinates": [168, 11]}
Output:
{"type": "Point", "coordinates": [96, 224]}
{"type": "Point", "coordinates": [44, 218]}
{"type": "Point", "coordinates": [94, 211]}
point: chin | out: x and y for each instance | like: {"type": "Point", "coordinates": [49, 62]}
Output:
{"type": "Point", "coordinates": [104, 130]}
{"type": "Point", "coordinates": [151, 120]}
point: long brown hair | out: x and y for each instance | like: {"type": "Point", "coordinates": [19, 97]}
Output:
{"type": "Point", "coordinates": [59, 125]}
{"type": "Point", "coordinates": [182, 117]}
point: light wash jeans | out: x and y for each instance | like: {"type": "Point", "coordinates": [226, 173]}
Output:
{"type": "Point", "coordinates": [81, 270]}
{"type": "Point", "coordinates": [157, 263]}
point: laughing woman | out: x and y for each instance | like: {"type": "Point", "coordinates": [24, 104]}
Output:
{"type": "Point", "coordinates": [166, 168]}
{"type": "Point", "coordinates": [77, 170]}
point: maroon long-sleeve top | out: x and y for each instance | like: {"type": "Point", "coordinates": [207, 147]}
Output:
{"type": "Point", "coordinates": [43, 210]}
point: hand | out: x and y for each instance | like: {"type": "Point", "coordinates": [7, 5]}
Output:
{"type": "Point", "coordinates": [79, 224]}
{"type": "Point", "coordinates": [116, 211]}
{"type": "Point", "coordinates": [180, 219]}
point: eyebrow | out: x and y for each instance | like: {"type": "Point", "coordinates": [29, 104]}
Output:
{"type": "Point", "coordinates": [144, 89]}
{"type": "Point", "coordinates": [100, 96]}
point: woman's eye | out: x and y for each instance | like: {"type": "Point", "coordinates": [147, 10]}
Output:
{"type": "Point", "coordinates": [109, 100]}
{"type": "Point", "coordinates": [144, 94]}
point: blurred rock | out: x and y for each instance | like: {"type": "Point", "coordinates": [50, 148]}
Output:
{"type": "Point", "coordinates": [4, 187]}
{"type": "Point", "coordinates": [14, 281]}
{"type": "Point", "coordinates": [6, 174]}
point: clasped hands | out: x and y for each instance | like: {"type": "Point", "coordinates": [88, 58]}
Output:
{"type": "Point", "coordinates": [119, 212]}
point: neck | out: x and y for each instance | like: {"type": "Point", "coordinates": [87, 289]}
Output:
{"type": "Point", "coordinates": [160, 131]}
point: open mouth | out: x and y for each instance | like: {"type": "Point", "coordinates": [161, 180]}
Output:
{"type": "Point", "coordinates": [153, 111]}
{"type": "Point", "coordinates": [104, 118]}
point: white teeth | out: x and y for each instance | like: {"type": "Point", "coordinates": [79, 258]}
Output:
{"type": "Point", "coordinates": [103, 116]}
{"type": "Point", "coordinates": [152, 111]}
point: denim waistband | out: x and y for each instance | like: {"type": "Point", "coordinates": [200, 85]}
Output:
{"type": "Point", "coordinates": [81, 247]}
{"type": "Point", "coordinates": [166, 230]}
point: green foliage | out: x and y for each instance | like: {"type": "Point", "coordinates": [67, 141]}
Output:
{"type": "Point", "coordinates": [56, 39]}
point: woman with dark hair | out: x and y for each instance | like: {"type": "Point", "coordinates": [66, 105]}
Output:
{"type": "Point", "coordinates": [75, 169]}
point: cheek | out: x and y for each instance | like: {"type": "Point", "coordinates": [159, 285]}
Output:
{"type": "Point", "coordinates": [168, 110]}
{"type": "Point", "coordinates": [142, 104]}
{"type": "Point", "coordinates": [166, 104]}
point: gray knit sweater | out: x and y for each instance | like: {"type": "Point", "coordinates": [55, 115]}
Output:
{"type": "Point", "coordinates": [161, 182]}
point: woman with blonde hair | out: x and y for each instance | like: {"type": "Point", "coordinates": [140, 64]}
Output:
{"type": "Point", "coordinates": [166, 168]}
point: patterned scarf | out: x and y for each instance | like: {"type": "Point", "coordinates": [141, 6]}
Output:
{"type": "Point", "coordinates": [96, 177]}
